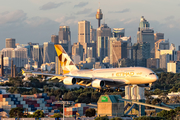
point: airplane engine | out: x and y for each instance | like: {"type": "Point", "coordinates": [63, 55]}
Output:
{"type": "Point", "coordinates": [69, 81]}
{"type": "Point", "coordinates": [98, 83]}
{"type": "Point", "coordinates": [143, 85]}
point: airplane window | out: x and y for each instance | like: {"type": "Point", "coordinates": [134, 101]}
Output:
{"type": "Point", "coordinates": [151, 73]}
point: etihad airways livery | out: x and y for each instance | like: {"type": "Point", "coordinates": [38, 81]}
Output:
{"type": "Point", "coordinates": [99, 78]}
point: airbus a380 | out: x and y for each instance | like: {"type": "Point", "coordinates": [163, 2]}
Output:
{"type": "Point", "coordinates": [99, 78]}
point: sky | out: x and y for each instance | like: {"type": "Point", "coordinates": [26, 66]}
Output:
{"type": "Point", "coordinates": [36, 20]}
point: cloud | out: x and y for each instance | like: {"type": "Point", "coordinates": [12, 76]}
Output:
{"type": "Point", "coordinates": [51, 5]}
{"type": "Point", "coordinates": [37, 21]}
{"type": "Point", "coordinates": [81, 4]}
{"type": "Point", "coordinates": [93, 14]}
{"type": "Point", "coordinates": [67, 20]}
{"type": "Point", "coordinates": [85, 11]}
{"type": "Point", "coordinates": [121, 11]}
{"type": "Point", "coordinates": [12, 17]}
{"type": "Point", "coordinates": [169, 18]}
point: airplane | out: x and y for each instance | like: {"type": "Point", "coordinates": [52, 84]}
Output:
{"type": "Point", "coordinates": [100, 78]}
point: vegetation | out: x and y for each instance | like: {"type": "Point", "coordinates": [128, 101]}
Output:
{"type": "Point", "coordinates": [90, 112]}
{"type": "Point", "coordinates": [16, 113]}
{"type": "Point", "coordinates": [102, 118]}
{"type": "Point", "coordinates": [38, 114]}
{"type": "Point", "coordinates": [170, 115]}
{"type": "Point", "coordinates": [116, 118]}
{"type": "Point", "coordinates": [149, 118]}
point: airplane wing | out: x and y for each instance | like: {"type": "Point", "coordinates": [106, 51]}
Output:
{"type": "Point", "coordinates": [96, 82]}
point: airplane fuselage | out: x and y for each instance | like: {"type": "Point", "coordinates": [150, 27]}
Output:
{"type": "Point", "coordinates": [130, 75]}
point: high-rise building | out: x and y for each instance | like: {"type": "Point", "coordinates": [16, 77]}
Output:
{"type": "Point", "coordinates": [77, 49]}
{"type": "Point", "coordinates": [83, 32]}
{"type": "Point", "coordinates": [54, 39]}
{"type": "Point", "coordinates": [31, 48]}
{"type": "Point", "coordinates": [119, 51]}
{"type": "Point", "coordinates": [91, 50]}
{"type": "Point", "coordinates": [118, 32]}
{"type": "Point", "coordinates": [161, 44]}
{"type": "Point", "coordinates": [178, 55]}
{"type": "Point", "coordinates": [29, 51]}
{"type": "Point", "coordinates": [146, 34]}
{"type": "Point", "coordinates": [20, 57]}
{"type": "Point", "coordinates": [65, 37]}
{"type": "Point", "coordinates": [49, 52]}
{"type": "Point", "coordinates": [92, 35]}
{"type": "Point", "coordinates": [38, 54]}
{"type": "Point", "coordinates": [7, 52]}
{"type": "Point", "coordinates": [10, 43]}
{"type": "Point", "coordinates": [103, 34]}
{"type": "Point", "coordinates": [158, 36]}
{"type": "Point", "coordinates": [153, 63]}
{"type": "Point", "coordinates": [166, 56]}
{"type": "Point", "coordinates": [141, 52]}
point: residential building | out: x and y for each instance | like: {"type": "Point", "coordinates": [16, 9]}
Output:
{"type": "Point", "coordinates": [77, 49]}
{"type": "Point", "coordinates": [173, 66]}
{"type": "Point", "coordinates": [92, 35]}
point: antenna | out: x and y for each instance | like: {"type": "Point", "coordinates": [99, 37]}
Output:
{"type": "Point", "coordinates": [99, 5]}
{"type": "Point", "coordinates": [104, 19]}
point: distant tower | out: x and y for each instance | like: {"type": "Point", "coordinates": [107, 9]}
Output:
{"type": "Point", "coordinates": [99, 16]}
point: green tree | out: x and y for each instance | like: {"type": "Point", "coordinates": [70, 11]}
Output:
{"type": "Point", "coordinates": [16, 112]}
{"type": "Point", "coordinates": [38, 114]}
{"type": "Point", "coordinates": [57, 115]}
{"type": "Point", "coordinates": [90, 112]}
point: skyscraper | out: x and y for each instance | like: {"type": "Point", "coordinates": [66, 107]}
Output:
{"type": "Point", "coordinates": [49, 52]}
{"type": "Point", "coordinates": [77, 49]}
{"type": "Point", "coordinates": [161, 44]}
{"type": "Point", "coordinates": [158, 36]}
{"type": "Point", "coordinates": [10, 43]}
{"type": "Point", "coordinates": [65, 37]}
{"type": "Point", "coordinates": [92, 35]}
{"type": "Point", "coordinates": [38, 54]}
{"type": "Point", "coordinates": [146, 34]}
{"type": "Point", "coordinates": [83, 31]}
{"type": "Point", "coordinates": [20, 57]}
{"type": "Point", "coordinates": [141, 52]}
{"type": "Point", "coordinates": [54, 39]}
{"type": "Point", "coordinates": [99, 16]}
{"type": "Point", "coordinates": [118, 32]}
{"type": "Point", "coordinates": [103, 34]}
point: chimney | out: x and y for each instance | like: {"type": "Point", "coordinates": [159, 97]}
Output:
{"type": "Point", "coordinates": [11, 68]}
{"type": "Point", "coordinates": [14, 71]}
{"type": "Point", "coordinates": [2, 66]}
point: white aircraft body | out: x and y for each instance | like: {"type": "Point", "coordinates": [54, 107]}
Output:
{"type": "Point", "coordinates": [99, 78]}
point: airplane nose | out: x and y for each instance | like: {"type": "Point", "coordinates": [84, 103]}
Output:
{"type": "Point", "coordinates": [154, 78]}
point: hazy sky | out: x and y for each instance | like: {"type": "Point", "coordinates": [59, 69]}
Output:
{"type": "Point", "coordinates": [36, 20]}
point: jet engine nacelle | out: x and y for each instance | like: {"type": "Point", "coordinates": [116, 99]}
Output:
{"type": "Point", "coordinates": [98, 83]}
{"type": "Point", "coordinates": [69, 81]}
{"type": "Point", "coordinates": [143, 85]}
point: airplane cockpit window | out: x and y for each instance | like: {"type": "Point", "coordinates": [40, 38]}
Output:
{"type": "Point", "coordinates": [151, 73]}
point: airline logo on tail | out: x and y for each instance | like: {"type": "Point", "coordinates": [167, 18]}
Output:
{"type": "Point", "coordinates": [67, 64]}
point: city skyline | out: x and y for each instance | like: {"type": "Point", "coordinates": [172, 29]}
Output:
{"type": "Point", "coordinates": [33, 20]}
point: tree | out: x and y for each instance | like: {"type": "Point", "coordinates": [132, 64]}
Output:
{"type": "Point", "coordinates": [102, 118]}
{"type": "Point", "coordinates": [90, 112]}
{"type": "Point", "coordinates": [116, 118]}
{"type": "Point", "coordinates": [57, 115]}
{"type": "Point", "coordinates": [38, 114]}
{"type": "Point", "coordinates": [16, 112]}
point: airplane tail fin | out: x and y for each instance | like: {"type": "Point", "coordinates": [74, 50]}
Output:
{"type": "Point", "coordinates": [66, 63]}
